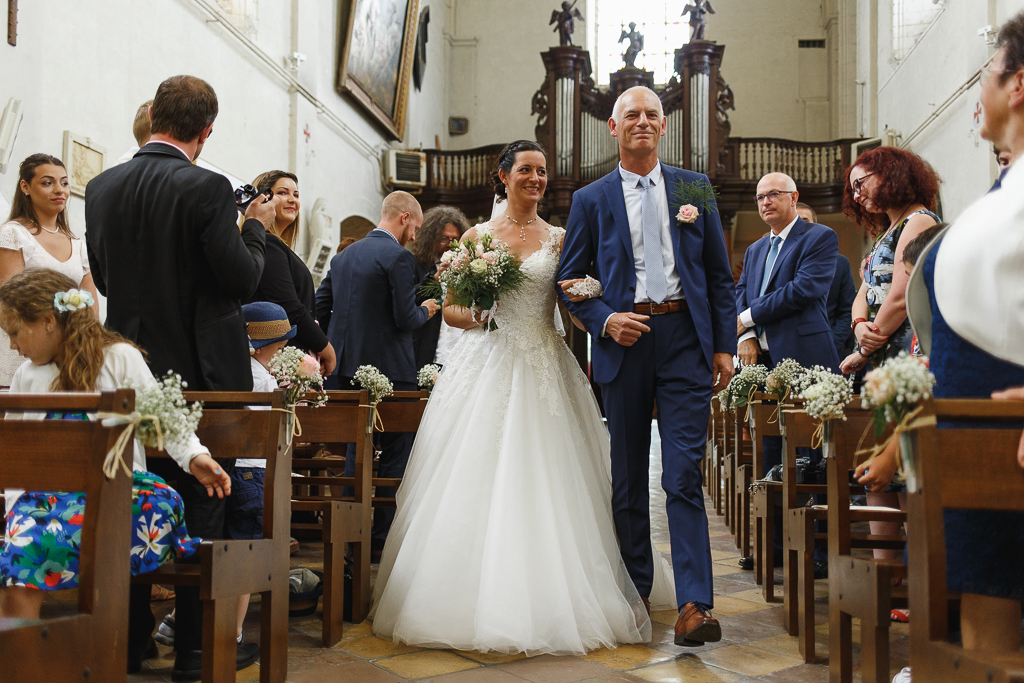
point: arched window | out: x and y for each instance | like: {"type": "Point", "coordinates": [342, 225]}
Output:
{"type": "Point", "coordinates": [662, 24]}
{"type": "Point", "coordinates": [910, 19]}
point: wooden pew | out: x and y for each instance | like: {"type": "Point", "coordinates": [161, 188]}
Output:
{"type": "Point", "coordinates": [399, 413]}
{"type": "Point", "coordinates": [969, 467]}
{"type": "Point", "coordinates": [346, 418]}
{"type": "Point", "coordinates": [228, 569]}
{"type": "Point", "coordinates": [764, 422]}
{"type": "Point", "coordinates": [742, 477]}
{"type": "Point", "coordinates": [725, 449]}
{"type": "Point", "coordinates": [859, 586]}
{"type": "Point", "coordinates": [799, 537]}
{"type": "Point", "coordinates": [66, 455]}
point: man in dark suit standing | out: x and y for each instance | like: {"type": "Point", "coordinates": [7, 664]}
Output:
{"type": "Point", "coordinates": [662, 330]}
{"type": "Point", "coordinates": [165, 249]}
{"type": "Point", "coordinates": [841, 294]}
{"type": "Point", "coordinates": [781, 300]}
{"type": "Point", "coordinates": [367, 305]}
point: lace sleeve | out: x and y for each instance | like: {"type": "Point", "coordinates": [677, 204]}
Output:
{"type": "Point", "coordinates": [10, 237]}
{"type": "Point", "coordinates": [557, 236]}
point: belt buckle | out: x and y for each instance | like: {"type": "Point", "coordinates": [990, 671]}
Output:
{"type": "Point", "coordinates": [652, 305]}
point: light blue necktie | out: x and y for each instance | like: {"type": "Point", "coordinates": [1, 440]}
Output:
{"type": "Point", "coordinates": [654, 266]}
{"type": "Point", "coordinates": [773, 253]}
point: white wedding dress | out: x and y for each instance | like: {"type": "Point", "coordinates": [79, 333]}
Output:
{"type": "Point", "coordinates": [503, 540]}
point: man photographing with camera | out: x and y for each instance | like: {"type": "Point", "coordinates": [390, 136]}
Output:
{"type": "Point", "coordinates": [166, 251]}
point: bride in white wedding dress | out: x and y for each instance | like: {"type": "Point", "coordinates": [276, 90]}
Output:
{"type": "Point", "coordinates": [503, 540]}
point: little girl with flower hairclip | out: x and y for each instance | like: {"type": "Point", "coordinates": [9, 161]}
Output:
{"type": "Point", "coordinates": [50, 324]}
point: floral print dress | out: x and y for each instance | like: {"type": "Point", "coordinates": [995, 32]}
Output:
{"type": "Point", "coordinates": [877, 272]}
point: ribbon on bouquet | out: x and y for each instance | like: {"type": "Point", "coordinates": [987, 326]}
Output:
{"type": "Point", "coordinates": [486, 316]}
{"type": "Point", "coordinates": [778, 408]}
{"type": "Point", "coordinates": [378, 423]}
{"type": "Point", "coordinates": [115, 456]}
{"type": "Point", "coordinates": [296, 430]}
{"type": "Point", "coordinates": [909, 423]}
{"type": "Point", "coordinates": [819, 432]}
{"type": "Point", "coordinates": [750, 397]}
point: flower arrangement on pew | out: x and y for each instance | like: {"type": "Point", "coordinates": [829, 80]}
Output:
{"type": "Point", "coordinates": [743, 385]}
{"type": "Point", "coordinates": [474, 275]}
{"type": "Point", "coordinates": [299, 374]}
{"type": "Point", "coordinates": [162, 416]}
{"type": "Point", "coordinates": [781, 382]}
{"type": "Point", "coordinates": [377, 385]}
{"type": "Point", "coordinates": [894, 391]}
{"type": "Point", "coordinates": [826, 395]}
{"type": "Point", "coordinates": [426, 378]}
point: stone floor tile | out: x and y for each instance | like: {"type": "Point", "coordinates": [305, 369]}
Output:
{"type": "Point", "coordinates": [426, 663]}
{"type": "Point", "coordinates": [483, 674]}
{"type": "Point", "coordinates": [725, 570]}
{"type": "Point", "coordinates": [667, 616]}
{"type": "Point", "coordinates": [728, 605]}
{"type": "Point", "coordinates": [752, 595]}
{"type": "Point", "coordinates": [491, 657]}
{"type": "Point", "coordinates": [626, 657]}
{"type": "Point", "coordinates": [618, 677]}
{"type": "Point", "coordinates": [357, 630]}
{"type": "Point", "coordinates": [786, 644]}
{"type": "Point", "coordinates": [746, 660]}
{"type": "Point", "coordinates": [727, 585]}
{"type": "Point", "coordinates": [363, 672]}
{"type": "Point", "coordinates": [743, 628]}
{"type": "Point", "coordinates": [552, 669]}
{"type": "Point", "coordinates": [686, 670]}
{"type": "Point", "coordinates": [717, 555]}
{"type": "Point", "coordinates": [372, 647]}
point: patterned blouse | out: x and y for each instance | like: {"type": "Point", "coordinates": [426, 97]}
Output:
{"type": "Point", "coordinates": [877, 272]}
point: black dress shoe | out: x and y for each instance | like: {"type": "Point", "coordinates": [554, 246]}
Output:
{"type": "Point", "coordinates": [188, 666]}
{"type": "Point", "coordinates": [747, 563]}
{"type": "Point", "coordinates": [135, 662]}
{"type": "Point", "coordinates": [820, 570]}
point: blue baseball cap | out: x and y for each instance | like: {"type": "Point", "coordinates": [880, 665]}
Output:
{"type": "Point", "coordinates": [266, 323]}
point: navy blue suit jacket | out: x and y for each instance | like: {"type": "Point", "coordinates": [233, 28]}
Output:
{"type": "Point", "coordinates": [839, 306]}
{"type": "Point", "coordinates": [597, 241]}
{"type": "Point", "coordinates": [792, 310]}
{"type": "Point", "coordinates": [366, 304]}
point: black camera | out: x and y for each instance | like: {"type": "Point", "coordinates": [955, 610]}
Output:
{"type": "Point", "coordinates": [246, 193]}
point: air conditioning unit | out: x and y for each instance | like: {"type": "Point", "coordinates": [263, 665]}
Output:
{"type": "Point", "coordinates": [9, 125]}
{"type": "Point", "coordinates": [889, 139]}
{"type": "Point", "coordinates": [405, 168]}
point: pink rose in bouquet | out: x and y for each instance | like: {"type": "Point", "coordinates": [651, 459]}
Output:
{"type": "Point", "coordinates": [687, 213]}
{"type": "Point", "coordinates": [309, 367]}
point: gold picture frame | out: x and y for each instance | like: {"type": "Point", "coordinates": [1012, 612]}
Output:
{"type": "Point", "coordinates": [376, 58]}
{"type": "Point", "coordinates": [84, 160]}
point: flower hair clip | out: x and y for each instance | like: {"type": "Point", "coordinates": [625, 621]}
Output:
{"type": "Point", "coordinates": [73, 300]}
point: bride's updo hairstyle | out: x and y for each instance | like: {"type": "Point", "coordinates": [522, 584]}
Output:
{"type": "Point", "coordinates": [507, 159]}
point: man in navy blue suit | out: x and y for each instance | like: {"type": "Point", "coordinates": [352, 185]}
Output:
{"type": "Point", "coordinates": [366, 304]}
{"type": "Point", "coordinates": [662, 330]}
{"type": "Point", "coordinates": [781, 300]}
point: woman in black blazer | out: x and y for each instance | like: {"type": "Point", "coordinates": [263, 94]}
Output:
{"type": "Point", "coordinates": [286, 280]}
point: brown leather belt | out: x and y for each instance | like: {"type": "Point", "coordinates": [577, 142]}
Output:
{"type": "Point", "coordinates": [662, 308]}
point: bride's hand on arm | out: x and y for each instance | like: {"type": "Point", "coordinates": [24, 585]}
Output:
{"type": "Point", "coordinates": [567, 284]}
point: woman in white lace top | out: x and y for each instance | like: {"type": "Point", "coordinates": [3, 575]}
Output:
{"type": "Point", "coordinates": [37, 235]}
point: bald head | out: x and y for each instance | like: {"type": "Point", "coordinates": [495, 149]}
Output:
{"type": "Point", "coordinates": [401, 215]}
{"type": "Point", "coordinates": [779, 198]}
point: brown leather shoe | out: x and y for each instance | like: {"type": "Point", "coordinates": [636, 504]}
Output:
{"type": "Point", "coordinates": [647, 604]}
{"type": "Point", "coordinates": [695, 626]}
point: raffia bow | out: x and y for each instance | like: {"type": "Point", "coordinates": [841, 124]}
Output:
{"type": "Point", "coordinates": [778, 408]}
{"type": "Point", "coordinates": [296, 430]}
{"type": "Point", "coordinates": [378, 423]}
{"type": "Point", "coordinates": [819, 432]}
{"type": "Point", "coordinates": [115, 456]}
{"type": "Point", "coordinates": [909, 423]}
{"type": "Point", "coordinates": [750, 397]}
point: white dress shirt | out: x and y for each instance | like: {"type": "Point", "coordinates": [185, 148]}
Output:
{"type": "Point", "coordinates": [632, 192]}
{"type": "Point", "coordinates": [745, 317]}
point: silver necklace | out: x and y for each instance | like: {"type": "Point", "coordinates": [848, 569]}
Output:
{"type": "Point", "coordinates": [522, 226]}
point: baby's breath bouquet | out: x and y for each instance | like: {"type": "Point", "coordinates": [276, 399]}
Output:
{"type": "Point", "coordinates": [374, 381]}
{"type": "Point", "coordinates": [475, 274]}
{"type": "Point", "coordinates": [743, 385]}
{"type": "Point", "coordinates": [895, 388]}
{"type": "Point", "coordinates": [427, 376]}
{"type": "Point", "coordinates": [298, 373]}
{"type": "Point", "coordinates": [825, 393]}
{"type": "Point", "coordinates": [781, 380]}
{"type": "Point", "coordinates": [165, 401]}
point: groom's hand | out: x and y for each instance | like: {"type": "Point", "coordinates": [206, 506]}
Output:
{"type": "Point", "coordinates": [722, 370]}
{"type": "Point", "coordinates": [626, 328]}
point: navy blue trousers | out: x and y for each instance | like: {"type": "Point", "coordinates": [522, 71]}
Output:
{"type": "Point", "coordinates": [667, 365]}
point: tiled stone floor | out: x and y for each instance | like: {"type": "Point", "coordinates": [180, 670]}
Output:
{"type": "Point", "coordinates": [755, 646]}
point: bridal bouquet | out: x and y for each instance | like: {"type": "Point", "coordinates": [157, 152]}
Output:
{"type": "Point", "coordinates": [475, 275]}
{"type": "Point", "coordinates": [164, 415]}
{"type": "Point", "coordinates": [895, 388]}
{"type": "Point", "coordinates": [298, 373]}
{"type": "Point", "coordinates": [426, 378]}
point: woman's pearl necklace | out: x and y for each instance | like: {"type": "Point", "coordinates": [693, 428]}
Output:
{"type": "Point", "coordinates": [522, 226]}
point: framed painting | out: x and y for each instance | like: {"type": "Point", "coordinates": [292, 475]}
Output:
{"type": "Point", "coordinates": [376, 58]}
{"type": "Point", "coordinates": [84, 160]}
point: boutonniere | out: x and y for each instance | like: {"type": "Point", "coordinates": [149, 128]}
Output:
{"type": "Point", "coordinates": [693, 199]}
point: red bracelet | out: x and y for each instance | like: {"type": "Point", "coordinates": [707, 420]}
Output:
{"type": "Point", "coordinates": [857, 321]}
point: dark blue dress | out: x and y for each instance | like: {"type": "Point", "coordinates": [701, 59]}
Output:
{"type": "Point", "coordinates": [984, 548]}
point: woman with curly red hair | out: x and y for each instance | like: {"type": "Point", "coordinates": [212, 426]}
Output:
{"type": "Point", "coordinates": [890, 193]}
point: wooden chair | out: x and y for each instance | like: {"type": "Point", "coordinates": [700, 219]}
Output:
{"type": "Point", "coordinates": [66, 455]}
{"type": "Point", "coordinates": [228, 569]}
{"type": "Point", "coordinates": [346, 418]}
{"type": "Point", "coordinates": [725, 448]}
{"type": "Point", "coordinates": [742, 477]}
{"type": "Point", "coordinates": [971, 466]}
{"type": "Point", "coordinates": [763, 422]}
{"type": "Point", "coordinates": [859, 586]}
{"type": "Point", "coordinates": [799, 538]}
{"type": "Point", "coordinates": [399, 413]}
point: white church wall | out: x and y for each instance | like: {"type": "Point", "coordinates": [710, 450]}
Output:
{"type": "Point", "coordinates": [86, 67]}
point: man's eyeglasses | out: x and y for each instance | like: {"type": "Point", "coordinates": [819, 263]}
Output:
{"type": "Point", "coordinates": [773, 195]}
{"type": "Point", "coordinates": [858, 184]}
